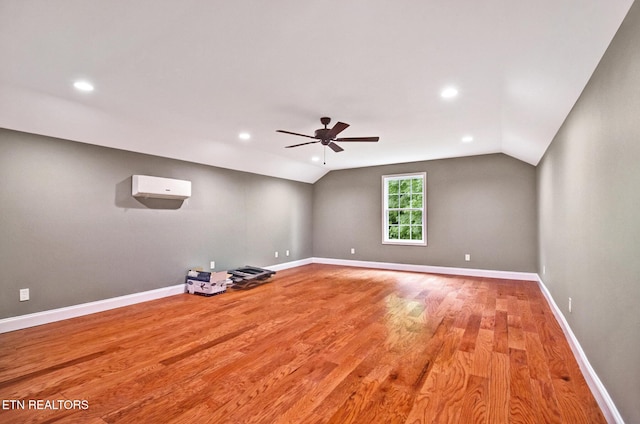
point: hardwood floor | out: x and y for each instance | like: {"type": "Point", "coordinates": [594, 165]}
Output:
{"type": "Point", "coordinates": [318, 344]}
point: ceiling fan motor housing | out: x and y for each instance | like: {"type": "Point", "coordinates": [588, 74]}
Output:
{"type": "Point", "coordinates": [321, 134]}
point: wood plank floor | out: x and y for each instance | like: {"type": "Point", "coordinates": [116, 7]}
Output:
{"type": "Point", "coordinates": [318, 344]}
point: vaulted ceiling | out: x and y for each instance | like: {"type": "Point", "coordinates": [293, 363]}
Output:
{"type": "Point", "coordinates": [182, 79]}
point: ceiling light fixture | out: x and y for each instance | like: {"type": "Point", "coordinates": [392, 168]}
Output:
{"type": "Point", "coordinates": [449, 93]}
{"type": "Point", "coordinates": [83, 86]}
{"type": "Point", "coordinates": [315, 158]}
{"type": "Point", "coordinates": [244, 136]}
{"type": "Point", "coordinates": [467, 139]}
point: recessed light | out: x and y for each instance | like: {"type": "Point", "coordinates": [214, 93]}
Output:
{"type": "Point", "coordinates": [244, 136]}
{"type": "Point", "coordinates": [449, 92]}
{"type": "Point", "coordinates": [467, 139]}
{"type": "Point", "coordinates": [315, 158]}
{"type": "Point", "coordinates": [83, 86]}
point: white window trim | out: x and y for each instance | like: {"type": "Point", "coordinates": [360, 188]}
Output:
{"type": "Point", "coordinates": [385, 216]}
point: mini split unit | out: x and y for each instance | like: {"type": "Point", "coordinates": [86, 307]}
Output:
{"type": "Point", "coordinates": [159, 188]}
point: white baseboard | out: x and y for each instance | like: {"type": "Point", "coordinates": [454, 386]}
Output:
{"type": "Point", "coordinates": [600, 393]}
{"type": "Point", "coordinates": [53, 315]}
{"type": "Point", "coordinates": [287, 265]}
{"type": "Point", "coordinates": [469, 272]}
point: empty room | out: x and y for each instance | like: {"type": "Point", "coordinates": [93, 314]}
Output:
{"type": "Point", "coordinates": [319, 212]}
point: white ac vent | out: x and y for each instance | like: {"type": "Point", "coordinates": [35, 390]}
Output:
{"type": "Point", "coordinates": [159, 188]}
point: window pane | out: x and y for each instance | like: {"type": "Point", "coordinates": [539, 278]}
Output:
{"type": "Point", "coordinates": [416, 217]}
{"type": "Point", "coordinates": [405, 200]}
{"type": "Point", "coordinates": [394, 201]}
{"type": "Point", "coordinates": [416, 232]}
{"type": "Point", "coordinates": [405, 186]}
{"type": "Point", "coordinates": [416, 185]}
{"type": "Point", "coordinates": [393, 217]}
{"type": "Point", "coordinates": [393, 232]}
{"type": "Point", "coordinates": [404, 217]}
{"type": "Point", "coordinates": [416, 201]}
{"type": "Point", "coordinates": [405, 232]}
{"type": "Point", "coordinates": [394, 186]}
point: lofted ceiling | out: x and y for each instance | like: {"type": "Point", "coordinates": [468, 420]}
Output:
{"type": "Point", "coordinates": [182, 79]}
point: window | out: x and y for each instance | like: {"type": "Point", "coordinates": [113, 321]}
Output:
{"type": "Point", "coordinates": [403, 209]}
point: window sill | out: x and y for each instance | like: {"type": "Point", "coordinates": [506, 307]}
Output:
{"type": "Point", "coordinates": [404, 243]}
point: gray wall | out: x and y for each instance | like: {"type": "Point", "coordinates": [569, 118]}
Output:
{"type": "Point", "coordinates": [589, 218]}
{"type": "Point", "coordinates": [481, 205]}
{"type": "Point", "coordinates": [71, 232]}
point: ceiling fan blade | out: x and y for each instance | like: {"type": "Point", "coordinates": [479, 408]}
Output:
{"type": "Point", "coordinates": [302, 144]}
{"type": "Point", "coordinates": [337, 129]}
{"type": "Point", "coordinates": [335, 147]}
{"type": "Point", "coordinates": [358, 139]}
{"type": "Point", "coordinates": [292, 133]}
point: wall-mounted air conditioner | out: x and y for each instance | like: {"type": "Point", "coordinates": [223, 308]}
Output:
{"type": "Point", "coordinates": [159, 188]}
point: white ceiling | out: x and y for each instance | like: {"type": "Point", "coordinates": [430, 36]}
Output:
{"type": "Point", "coordinates": [183, 78]}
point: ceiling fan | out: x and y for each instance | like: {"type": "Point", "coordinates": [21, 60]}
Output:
{"type": "Point", "coordinates": [327, 136]}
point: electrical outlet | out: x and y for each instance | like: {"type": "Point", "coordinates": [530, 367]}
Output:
{"type": "Point", "coordinates": [544, 269]}
{"type": "Point", "coordinates": [570, 305]}
{"type": "Point", "coordinates": [467, 257]}
{"type": "Point", "coordinates": [212, 264]}
{"type": "Point", "coordinates": [24, 295]}
{"type": "Point", "coordinates": [286, 252]}
{"type": "Point", "coordinates": [276, 253]}
{"type": "Point", "coordinates": [353, 250]}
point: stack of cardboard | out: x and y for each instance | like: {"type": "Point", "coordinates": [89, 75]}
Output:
{"type": "Point", "coordinates": [202, 283]}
